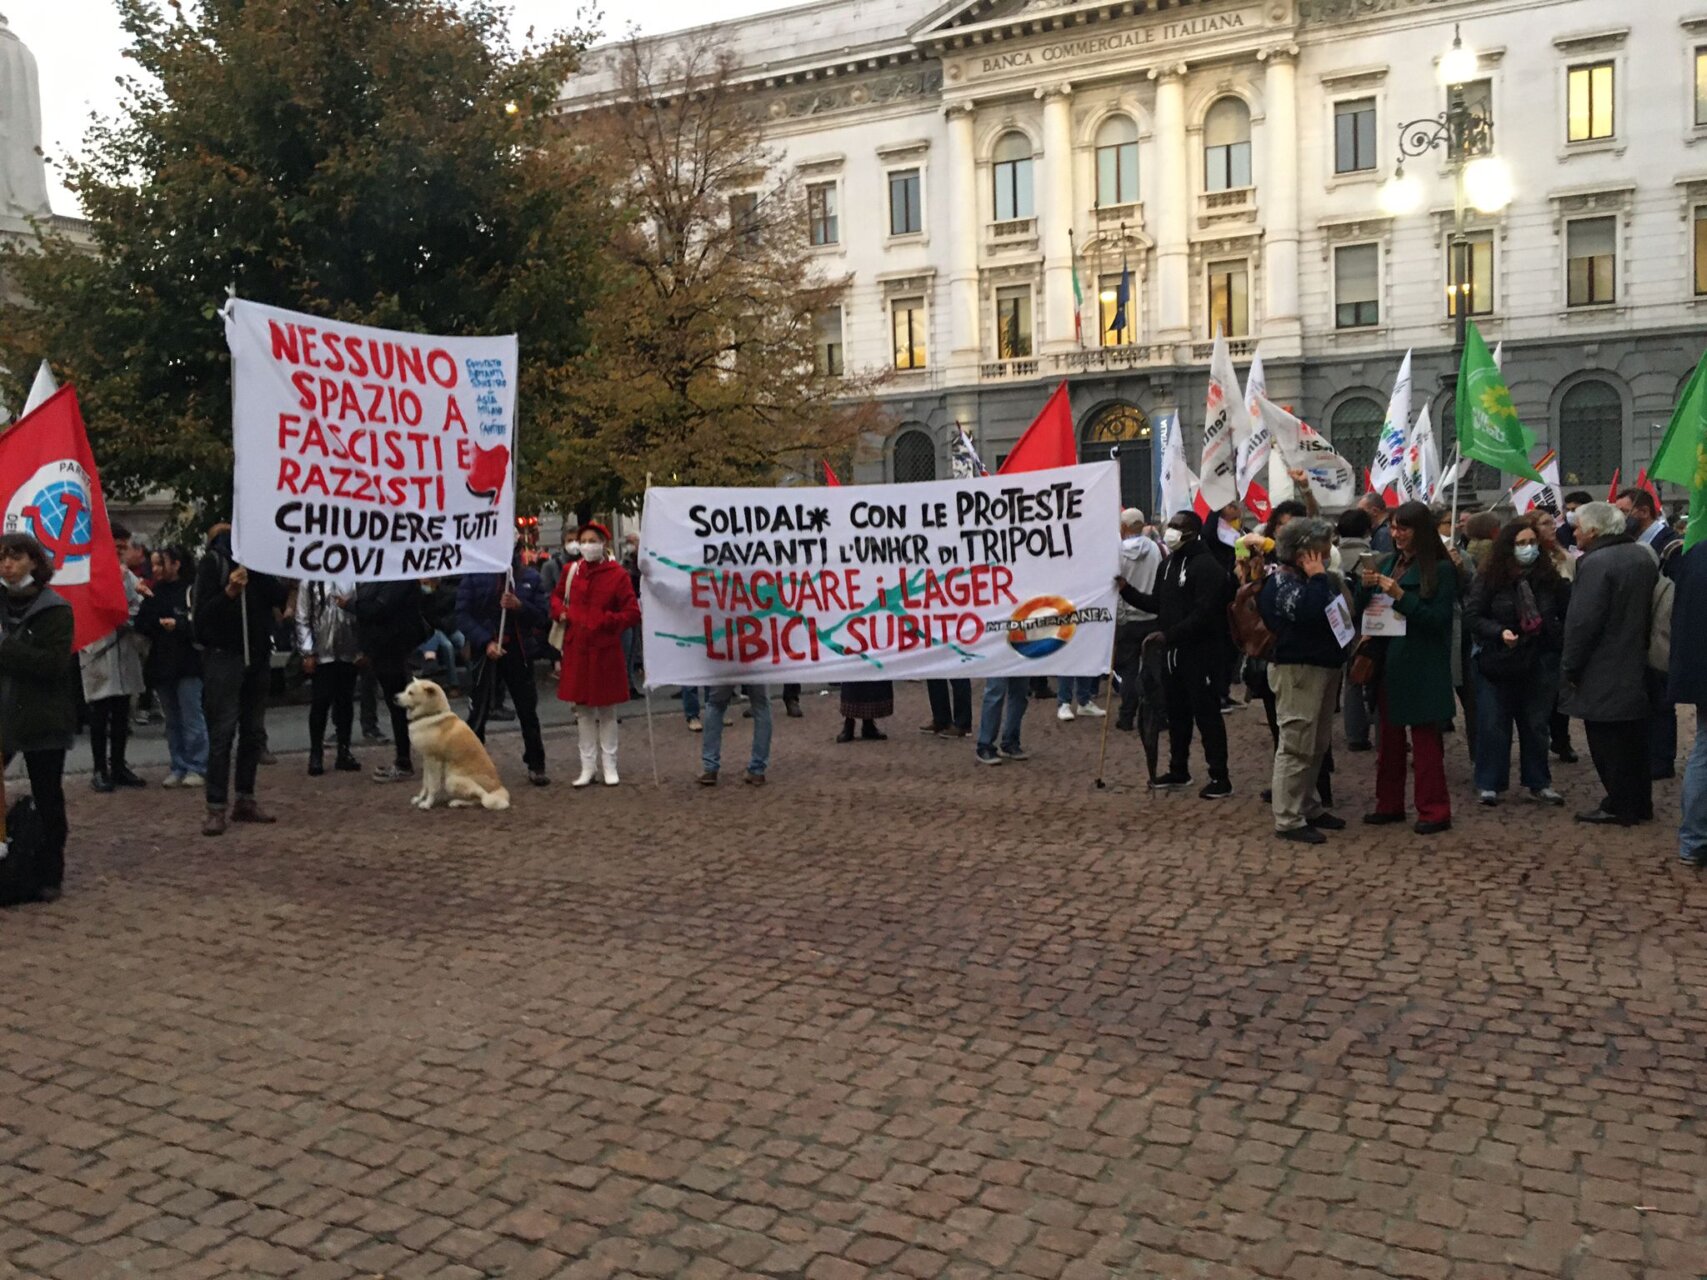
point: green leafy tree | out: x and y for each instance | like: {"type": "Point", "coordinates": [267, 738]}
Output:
{"type": "Point", "coordinates": [706, 361]}
{"type": "Point", "coordinates": [378, 161]}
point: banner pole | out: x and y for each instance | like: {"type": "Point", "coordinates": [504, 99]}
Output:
{"type": "Point", "coordinates": [1452, 527]}
{"type": "Point", "coordinates": [646, 688]}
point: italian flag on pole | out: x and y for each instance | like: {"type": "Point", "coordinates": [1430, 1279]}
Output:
{"type": "Point", "coordinates": [1078, 309]}
{"type": "Point", "coordinates": [1682, 456]}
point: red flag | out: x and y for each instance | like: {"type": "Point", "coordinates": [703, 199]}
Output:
{"type": "Point", "coordinates": [1612, 493]}
{"type": "Point", "coordinates": [1648, 487]}
{"type": "Point", "coordinates": [1048, 441]}
{"type": "Point", "coordinates": [50, 490]}
{"type": "Point", "coordinates": [1256, 498]}
{"type": "Point", "coordinates": [829, 475]}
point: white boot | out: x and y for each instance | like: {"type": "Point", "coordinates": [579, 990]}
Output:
{"type": "Point", "coordinates": [607, 745]}
{"type": "Point", "coordinates": [586, 722]}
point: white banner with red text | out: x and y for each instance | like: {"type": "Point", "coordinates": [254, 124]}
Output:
{"type": "Point", "coordinates": [976, 577]}
{"type": "Point", "coordinates": [368, 454]}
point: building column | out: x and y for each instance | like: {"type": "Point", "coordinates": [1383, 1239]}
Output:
{"type": "Point", "coordinates": [1279, 199]}
{"type": "Point", "coordinates": [1056, 215]}
{"type": "Point", "coordinates": [1173, 212]}
{"type": "Point", "coordinates": [965, 227]}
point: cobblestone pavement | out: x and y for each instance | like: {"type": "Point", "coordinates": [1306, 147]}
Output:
{"type": "Point", "coordinates": [893, 1015]}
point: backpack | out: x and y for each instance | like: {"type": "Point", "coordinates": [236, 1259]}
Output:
{"type": "Point", "coordinates": [25, 841]}
{"type": "Point", "coordinates": [1659, 613]}
{"type": "Point", "coordinates": [1244, 619]}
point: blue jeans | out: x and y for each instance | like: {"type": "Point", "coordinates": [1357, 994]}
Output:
{"type": "Point", "coordinates": [445, 649]}
{"type": "Point", "coordinates": [690, 701]}
{"type": "Point", "coordinates": [186, 728]}
{"type": "Point", "coordinates": [1014, 691]}
{"type": "Point", "coordinates": [1077, 691]}
{"type": "Point", "coordinates": [1527, 703]}
{"type": "Point", "coordinates": [1692, 831]}
{"type": "Point", "coordinates": [711, 746]}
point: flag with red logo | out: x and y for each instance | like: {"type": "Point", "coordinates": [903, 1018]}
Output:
{"type": "Point", "coordinates": [49, 489]}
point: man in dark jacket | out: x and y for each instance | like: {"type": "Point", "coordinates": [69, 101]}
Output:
{"type": "Point", "coordinates": [1689, 685]}
{"type": "Point", "coordinates": [1645, 521]}
{"type": "Point", "coordinates": [234, 626]}
{"type": "Point", "coordinates": [389, 626]}
{"type": "Point", "coordinates": [1300, 604]}
{"type": "Point", "coordinates": [1190, 604]}
{"type": "Point", "coordinates": [1605, 661]}
{"type": "Point", "coordinates": [485, 605]}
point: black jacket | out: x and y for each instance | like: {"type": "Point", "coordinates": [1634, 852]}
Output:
{"type": "Point", "coordinates": [1689, 618]}
{"type": "Point", "coordinates": [219, 617]}
{"type": "Point", "coordinates": [172, 653]}
{"type": "Point", "coordinates": [1490, 613]}
{"type": "Point", "coordinates": [38, 675]}
{"type": "Point", "coordinates": [389, 620]}
{"type": "Point", "coordinates": [1295, 609]}
{"type": "Point", "coordinates": [1190, 599]}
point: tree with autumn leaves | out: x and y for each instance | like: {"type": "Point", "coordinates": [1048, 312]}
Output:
{"type": "Point", "coordinates": [397, 163]}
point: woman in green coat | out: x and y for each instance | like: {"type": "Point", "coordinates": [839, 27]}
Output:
{"type": "Point", "coordinates": [1414, 689]}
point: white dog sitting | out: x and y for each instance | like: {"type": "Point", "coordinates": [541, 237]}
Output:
{"type": "Point", "coordinates": [454, 764]}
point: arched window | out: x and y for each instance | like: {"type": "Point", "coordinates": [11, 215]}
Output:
{"type": "Point", "coordinates": [1591, 432]}
{"type": "Point", "coordinates": [1011, 173]}
{"type": "Point", "coordinates": [915, 457]}
{"type": "Point", "coordinates": [1227, 145]}
{"type": "Point", "coordinates": [1121, 433]}
{"type": "Point", "coordinates": [1354, 429]}
{"type": "Point", "coordinates": [1117, 162]}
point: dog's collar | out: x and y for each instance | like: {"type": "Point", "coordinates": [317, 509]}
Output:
{"type": "Point", "coordinates": [437, 715]}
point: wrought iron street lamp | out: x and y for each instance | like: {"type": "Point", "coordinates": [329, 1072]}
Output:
{"type": "Point", "coordinates": [1480, 180]}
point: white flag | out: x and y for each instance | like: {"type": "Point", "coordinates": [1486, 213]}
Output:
{"type": "Point", "coordinates": [1422, 460]}
{"type": "Point", "coordinates": [1450, 477]}
{"type": "Point", "coordinates": [1388, 469]}
{"type": "Point", "coordinates": [1499, 353]}
{"type": "Point", "coordinates": [1529, 496]}
{"type": "Point", "coordinates": [1332, 479]}
{"type": "Point", "coordinates": [1225, 423]}
{"type": "Point", "coordinates": [1178, 486]}
{"type": "Point", "coordinates": [41, 390]}
{"type": "Point", "coordinates": [1255, 448]}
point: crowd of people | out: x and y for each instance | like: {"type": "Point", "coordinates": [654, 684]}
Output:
{"type": "Point", "coordinates": [1388, 622]}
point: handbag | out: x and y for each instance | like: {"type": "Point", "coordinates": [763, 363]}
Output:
{"type": "Point", "coordinates": [1368, 656]}
{"type": "Point", "coordinates": [560, 626]}
{"type": "Point", "coordinates": [1500, 663]}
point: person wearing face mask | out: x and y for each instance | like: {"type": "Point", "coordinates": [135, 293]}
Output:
{"type": "Point", "coordinates": [1516, 616]}
{"type": "Point", "coordinates": [1190, 602]}
{"type": "Point", "coordinates": [38, 710]}
{"type": "Point", "coordinates": [496, 613]}
{"type": "Point", "coordinates": [596, 604]}
{"type": "Point", "coordinates": [1551, 530]}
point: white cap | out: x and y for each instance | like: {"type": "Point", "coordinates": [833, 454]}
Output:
{"type": "Point", "coordinates": [1131, 518]}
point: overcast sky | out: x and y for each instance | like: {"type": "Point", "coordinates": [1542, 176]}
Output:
{"type": "Point", "coordinates": [80, 52]}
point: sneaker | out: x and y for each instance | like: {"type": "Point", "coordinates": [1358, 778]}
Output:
{"type": "Point", "coordinates": [1489, 798]}
{"type": "Point", "coordinates": [988, 755]}
{"type": "Point", "coordinates": [1015, 753]}
{"type": "Point", "coordinates": [1092, 711]}
{"type": "Point", "coordinates": [1228, 706]}
{"type": "Point", "coordinates": [172, 780]}
{"type": "Point", "coordinates": [1696, 858]}
{"type": "Point", "coordinates": [1065, 712]}
{"type": "Point", "coordinates": [1172, 780]}
{"type": "Point", "coordinates": [194, 780]}
{"type": "Point", "coordinates": [392, 773]}
{"type": "Point", "coordinates": [99, 781]}
{"type": "Point", "coordinates": [1217, 789]}
{"type": "Point", "coordinates": [1303, 835]}
{"type": "Point", "coordinates": [708, 779]}
{"type": "Point", "coordinates": [695, 725]}
{"type": "Point", "coordinates": [1545, 795]}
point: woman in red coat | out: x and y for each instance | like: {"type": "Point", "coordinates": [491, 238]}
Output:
{"type": "Point", "coordinates": [595, 601]}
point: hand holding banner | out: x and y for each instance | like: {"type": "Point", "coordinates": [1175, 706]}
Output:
{"type": "Point", "coordinates": [369, 454]}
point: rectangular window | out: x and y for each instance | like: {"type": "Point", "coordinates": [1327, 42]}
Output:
{"type": "Point", "coordinates": [1589, 114]}
{"type": "Point", "coordinates": [744, 215]}
{"type": "Point", "coordinates": [1479, 98]}
{"type": "Point", "coordinates": [1013, 322]}
{"type": "Point", "coordinates": [1591, 268]}
{"type": "Point", "coordinates": [827, 342]}
{"type": "Point", "coordinates": [1354, 135]}
{"type": "Point", "coordinates": [1701, 86]}
{"type": "Point", "coordinates": [1229, 300]}
{"type": "Point", "coordinates": [1357, 286]}
{"type": "Point", "coordinates": [906, 217]}
{"type": "Point", "coordinates": [1118, 325]}
{"type": "Point", "coordinates": [1013, 190]}
{"type": "Point", "coordinates": [1470, 273]}
{"type": "Point", "coordinates": [1117, 174]}
{"type": "Point", "coordinates": [821, 217]}
{"type": "Point", "coordinates": [1227, 168]}
{"type": "Point", "coordinates": [908, 318]}
{"type": "Point", "coordinates": [1701, 252]}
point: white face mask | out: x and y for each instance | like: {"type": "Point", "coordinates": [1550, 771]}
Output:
{"type": "Point", "coordinates": [1527, 555]}
{"type": "Point", "coordinates": [593, 551]}
{"type": "Point", "coordinates": [1570, 519]}
{"type": "Point", "coordinates": [1171, 538]}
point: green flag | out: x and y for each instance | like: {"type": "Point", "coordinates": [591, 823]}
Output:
{"type": "Point", "coordinates": [1488, 429]}
{"type": "Point", "coordinates": [1682, 456]}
